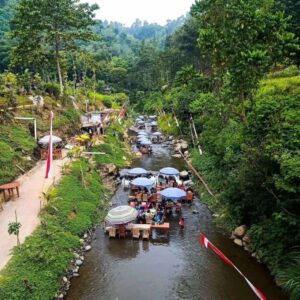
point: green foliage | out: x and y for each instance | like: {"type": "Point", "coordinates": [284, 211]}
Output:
{"type": "Point", "coordinates": [45, 255]}
{"type": "Point", "coordinates": [15, 143]}
{"type": "Point", "coordinates": [52, 89]}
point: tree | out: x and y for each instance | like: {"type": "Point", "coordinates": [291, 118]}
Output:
{"type": "Point", "coordinates": [14, 228]}
{"type": "Point", "coordinates": [242, 40]}
{"type": "Point", "coordinates": [46, 30]}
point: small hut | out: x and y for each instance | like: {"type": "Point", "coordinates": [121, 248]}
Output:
{"type": "Point", "coordinates": [44, 145]}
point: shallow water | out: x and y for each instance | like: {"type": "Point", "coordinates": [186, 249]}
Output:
{"type": "Point", "coordinates": [174, 267]}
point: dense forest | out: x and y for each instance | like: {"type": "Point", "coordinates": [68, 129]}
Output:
{"type": "Point", "coordinates": [233, 66]}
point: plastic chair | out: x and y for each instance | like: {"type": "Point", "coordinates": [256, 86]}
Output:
{"type": "Point", "coordinates": [112, 232]}
{"type": "Point", "coordinates": [146, 234]}
{"type": "Point", "coordinates": [122, 232]}
{"type": "Point", "coordinates": [135, 233]}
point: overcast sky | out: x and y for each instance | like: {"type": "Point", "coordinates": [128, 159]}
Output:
{"type": "Point", "coordinates": [126, 11]}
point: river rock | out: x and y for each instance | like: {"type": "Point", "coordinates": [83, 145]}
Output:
{"type": "Point", "coordinates": [176, 155]}
{"type": "Point", "coordinates": [184, 146]}
{"type": "Point", "coordinates": [85, 236]}
{"type": "Point", "coordinates": [186, 153]}
{"type": "Point", "coordinates": [238, 242]}
{"type": "Point", "coordinates": [78, 262]}
{"type": "Point", "coordinates": [37, 100]}
{"type": "Point", "coordinates": [246, 238]}
{"type": "Point", "coordinates": [65, 279]}
{"type": "Point", "coordinates": [76, 255]}
{"type": "Point", "coordinates": [138, 154]}
{"type": "Point", "coordinates": [88, 248]}
{"type": "Point", "coordinates": [75, 274]}
{"type": "Point", "coordinates": [110, 169]}
{"type": "Point", "coordinates": [61, 296]}
{"type": "Point", "coordinates": [240, 231]}
{"type": "Point", "coordinates": [184, 174]}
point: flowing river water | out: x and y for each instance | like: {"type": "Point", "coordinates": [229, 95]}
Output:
{"type": "Point", "coordinates": [173, 267]}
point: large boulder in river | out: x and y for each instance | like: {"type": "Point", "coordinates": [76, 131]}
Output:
{"type": "Point", "coordinates": [238, 242]}
{"type": "Point", "coordinates": [240, 231]}
{"type": "Point", "coordinates": [184, 146]}
{"type": "Point", "coordinates": [110, 169]}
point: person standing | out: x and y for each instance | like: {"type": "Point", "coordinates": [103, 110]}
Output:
{"type": "Point", "coordinates": [181, 223]}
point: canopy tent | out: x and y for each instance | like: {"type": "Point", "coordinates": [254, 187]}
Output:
{"type": "Point", "coordinates": [169, 171]}
{"type": "Point", "coordinates": [157, 133]}
{"type": "Point", "coordinates": [45, 140]}
{"type": "Point", "coordinates": [173, 193]}
{"type": "Point", "coordinates": [142, 182]}
{"type": "Point", "coordinates": [137, 171]}
{"type": "Point", "coordinates": [121, 215]}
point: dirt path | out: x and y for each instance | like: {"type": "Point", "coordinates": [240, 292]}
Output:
{"type": "Point", "coordinates": [32, 184]}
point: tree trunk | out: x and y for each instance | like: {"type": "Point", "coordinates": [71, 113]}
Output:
{"type": "Point", "coordinates": [58, 66]}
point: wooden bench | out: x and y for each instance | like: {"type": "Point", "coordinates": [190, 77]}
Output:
{"type": "Point", "coordinates": [10, 188]}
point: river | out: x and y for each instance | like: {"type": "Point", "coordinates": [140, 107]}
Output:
{"type": "Point", "coordinates": [174, 267]}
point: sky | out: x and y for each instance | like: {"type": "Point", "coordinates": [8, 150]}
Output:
{"type": "Point", "coordinates": [153, 11]}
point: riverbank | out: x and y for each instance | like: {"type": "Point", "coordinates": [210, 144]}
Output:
{"type": "Point", "coordinates": [73, 207]}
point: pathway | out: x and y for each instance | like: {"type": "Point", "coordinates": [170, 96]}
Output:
{"type": "Point", "coordinates": [32, 184]}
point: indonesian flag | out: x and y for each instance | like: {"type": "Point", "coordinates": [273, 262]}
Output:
{"type": "Point", "coordinates": [207, 244]}
{"type": "Point", "coordinates": [50, 150]}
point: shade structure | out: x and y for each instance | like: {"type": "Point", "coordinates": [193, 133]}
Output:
{"type": "Point", "coordinates": [143, 139]}
{"type": "Point", "coordinates": [143, 134]}
{"type": "Point", "coordinates": [173, 193]}
{"type": "Point", "coordinates": [157, 133]}
{"type": "Point", "coordinates": [153, 123]}
{"type": "Point", "coordinates": [145, 142]}
{"type": "Point", "coordinates": [121, 215]}
{"type": "Point", "coordinates": [152, 117]}
{"type": "Point", "coordinates": [137, 171]}
{"type": "Point", "coordinates": [143, 182]}
{"type": "Point", "coordinates": [140, 122]}
{"type": "Point", "coordinates": [45, 140]}
{"type": "Point", "coordinates": [169, 171]}
{"type": "Point", "coordinates": [143, 131]}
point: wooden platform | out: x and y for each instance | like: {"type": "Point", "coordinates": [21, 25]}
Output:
{"type": "Point", "coordinates": [141, 227]}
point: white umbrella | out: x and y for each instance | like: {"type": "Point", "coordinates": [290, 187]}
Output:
{"type": "Point", "coordinates": [45, 140]}
{"type": "Point", "coordinates": [121, 215]}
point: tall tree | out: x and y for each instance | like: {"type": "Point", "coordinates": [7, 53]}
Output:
{"type": "Point", "coordinates": [46, 30]}
{"type": "Point", "coordinates": [242, 39]}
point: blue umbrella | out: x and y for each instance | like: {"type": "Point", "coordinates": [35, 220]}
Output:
{"type": "Point", "coordinates": [142, 181]}
{"type": "Point", "coordinates": [173, 193]}
{"type": "Point", "coordinates": [140, 122]}
{"type": "Point", "coordinates": [153, 123]}
{"type": "Point", "coordinates": [142, 131]}
{"type": "Point", "coordinates": [152, 117]}
{"type": "Point", "coordinates": [169, 171]}
{"type": "Point", "coordinates": [143, 134]}
{"type": "Point", "coordinates": [137, 171]}
{"type": "Point", "coordinates": [145, 142]}
{"type": "Point", "coordinates": [157, 133]}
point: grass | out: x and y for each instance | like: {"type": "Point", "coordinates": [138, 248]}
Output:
{"type": "Point", "coordinates": [16, 144]}
{"type": "Point", "coordinates": [37, 265]}
{"type": "Point", "coordinates": [73, 206]}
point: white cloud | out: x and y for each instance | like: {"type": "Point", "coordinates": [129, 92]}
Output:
{"type": "Point", "coordinates": [126, 11]}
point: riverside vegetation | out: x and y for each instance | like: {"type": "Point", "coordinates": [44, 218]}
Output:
{"type": "Point", "coordinates": [233, 66]}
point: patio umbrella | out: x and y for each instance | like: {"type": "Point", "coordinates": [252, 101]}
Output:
{"type": "Point", "coordinates": [142, 181]}
{"type": "Point", "coordinates": [121, 215]}
{"type": "Point", "coordinates": [137, 171]}
{"type": "Point", "coordinates": [145, 142]}
{"type": "Point", "coordinates": [45, 140]}
{"type": "Point", "coordinates": [140, 122]}
{"type": "Point", "coordinates": [169, 171]}
{"type": "Point", "coordinates": [154, 123]}
{"type": "Point", "coordinates": [157, 133]}
{"type": "Point", "coordinates": [173, 193]}
{"type": "Point", "coordinates": [152, 117]}
{"type": "Point", "coordinates": [143, 134]}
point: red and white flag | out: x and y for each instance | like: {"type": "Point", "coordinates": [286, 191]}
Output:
{"type": "Point", "coordinates": [207, 244]}
{"type": "Point", "coordinates": [50, 150]}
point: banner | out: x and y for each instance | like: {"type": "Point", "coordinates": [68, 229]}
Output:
{"type": "Point", "coordinates": [50, 149]}
{"type": "Point", "coordinates": [207, 244]}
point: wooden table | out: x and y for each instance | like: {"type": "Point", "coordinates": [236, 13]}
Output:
{"type": "Point", "coordinates": [10, 187]}
{"type": "Point", "coordinates": [165, 227]}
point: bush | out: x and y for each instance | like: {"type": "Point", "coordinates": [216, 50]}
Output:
{"type": "Point", "coordinates": [52, 88]}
